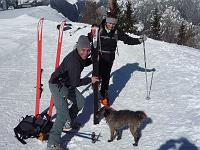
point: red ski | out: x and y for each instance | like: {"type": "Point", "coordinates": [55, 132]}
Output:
{"type": "Point", "coordinates": [60, 36]}
{"type": "Point", "coordinates": [39, 70]}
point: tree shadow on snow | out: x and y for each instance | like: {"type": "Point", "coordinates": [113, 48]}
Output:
{"type": "Point", "coordinates": [120, 78]}
{"type": "Point", "coordinates": [179, 144]}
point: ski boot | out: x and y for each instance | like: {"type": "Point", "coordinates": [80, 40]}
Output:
{"type": "Point", "coordinates": [71, 126]}
{"type": "Point", "coordinates": [104, 99]}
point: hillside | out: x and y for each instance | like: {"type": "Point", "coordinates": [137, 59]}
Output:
{"type": "Point", "coordinates": [174, 107]}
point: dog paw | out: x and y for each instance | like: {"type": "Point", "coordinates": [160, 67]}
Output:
{"type": "Point", "coordinates": [135, 144]}
{"type": "Point", "coordinates": [110, 140]}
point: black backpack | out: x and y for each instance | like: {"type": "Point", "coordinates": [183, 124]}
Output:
{"type": "Point", "coordinates": [33, 126]}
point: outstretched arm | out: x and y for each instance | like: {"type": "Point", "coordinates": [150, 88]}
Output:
{"type": "Point", "coordinates": [130, 40]}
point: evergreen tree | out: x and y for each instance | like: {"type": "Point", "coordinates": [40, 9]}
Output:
{"type": "Point", "coordinates": [127, 19]}
{"type": "Point", "coordinates": [4, 4]}
{"type": "Point", "coordinates": [170, 24]}
{"type": "Point", "coordinates": [186, 35]}
{"type": "Point", "coordinates": [155, 30]}
{"type": "Point", "coordinates": [89, 14]}
{"type": "Point", "coordinates": [191, 36]}
{"type": "Point", "coordinates": [182, 35]}
{"type": "Point", "coordinates": [116, 9]}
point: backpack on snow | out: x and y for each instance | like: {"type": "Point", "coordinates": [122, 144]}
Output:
{"type": "Point", "coordinates": [33, 127]}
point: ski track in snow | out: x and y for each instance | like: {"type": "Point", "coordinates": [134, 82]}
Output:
{"type": "Point", "coordinates": [173, 110]}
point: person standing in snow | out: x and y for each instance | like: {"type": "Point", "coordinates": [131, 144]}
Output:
{"type": "Point", "coordinates": [108, 35]}
{"type": "Point", "coordinates": [68, 100]}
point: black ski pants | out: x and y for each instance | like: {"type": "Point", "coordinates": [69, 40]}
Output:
{"type": "Point", "coordinates": [105, 67]}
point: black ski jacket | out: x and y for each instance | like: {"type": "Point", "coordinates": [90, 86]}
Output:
{"type": "Point", "coordinates": [107, 42]}
{"type": "Point", "coordinates": [69, 71]}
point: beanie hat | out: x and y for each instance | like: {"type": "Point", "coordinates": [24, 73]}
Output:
{"type": "Point", "coordinates": [83, 42]}
{"type": "Point", "coordinates": [111, 20]}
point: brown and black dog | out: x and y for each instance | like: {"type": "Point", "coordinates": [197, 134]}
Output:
{"type": "Point", "coordinates": [119, 119]}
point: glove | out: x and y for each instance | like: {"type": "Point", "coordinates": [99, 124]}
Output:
{"type": "Point", "coordinates": [142, 38]}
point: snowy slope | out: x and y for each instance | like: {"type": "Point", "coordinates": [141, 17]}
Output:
{"type": "Point", "coordinates": [72, 1]}
{"type": "Point", "coordinates": [174, 107]}
{"type": "Point", "coordinates": [75, 1]}
{"type": "Point", "coordinates": [50, 14]}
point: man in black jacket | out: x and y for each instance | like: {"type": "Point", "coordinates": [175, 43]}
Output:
{"type": "Point", "coordinates": [68, 100]}
{"type": "Point", "coordinates": [108, 35]}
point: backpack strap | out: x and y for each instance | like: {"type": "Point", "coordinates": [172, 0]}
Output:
{"type": "Point", "coordinates": [19, 137]}
{"type": "Point", "coordinates": [99, 39]}
{"type": "Point", "coordinates": [116, 37]}
{"type": "Point", "coordinates": [48, 119]}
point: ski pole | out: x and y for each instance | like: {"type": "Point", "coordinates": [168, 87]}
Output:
{"type": "Point", "coordinates": [151, 84]}
{"type": "Point", "coordinates": [73, 32]}
{"type": "Point", "coordinates": [145, 64]}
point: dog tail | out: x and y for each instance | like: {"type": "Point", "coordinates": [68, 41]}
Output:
{"type": "Point", "coordinates": [141, 115]}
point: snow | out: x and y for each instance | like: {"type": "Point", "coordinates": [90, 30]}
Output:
{"type": "Point", "coordinates": [174, 107]}
{"type": "Point", "coordinates": [50, 14]}
{"type": "Point", "coordinates": [72, 1]}
{"type": "Point", "coordinates": [75, 1]}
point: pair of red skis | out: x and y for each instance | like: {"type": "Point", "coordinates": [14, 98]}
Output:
{"type": "Point", "coordinates": [39, 62]}
{"type": "Point", "coordinates": [39, 70]}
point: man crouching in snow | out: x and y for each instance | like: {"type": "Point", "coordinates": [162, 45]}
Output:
{"type": "Point", "coordinates": [62, 84]}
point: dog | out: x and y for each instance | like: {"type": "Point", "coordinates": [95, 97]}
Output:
{"type": "Point", "coordinates": [119, 119]}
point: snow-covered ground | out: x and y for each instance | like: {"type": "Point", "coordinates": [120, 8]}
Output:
{"type": "Point", "coordinates": [72, 1]}
{"type": "Point", "coordinates": [174, 107]}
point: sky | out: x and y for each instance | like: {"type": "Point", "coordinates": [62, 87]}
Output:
{"type": "Point", "coordinates": [173, 110]}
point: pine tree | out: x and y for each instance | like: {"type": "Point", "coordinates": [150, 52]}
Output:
{"type": "Point", "coordinates": [4, 4]}
{"type": "Point", "coordinates": [170, 24]}
{"type": "Point", "coordinates": [182, 34]}
{"type": "Point", "coordinates": [130, 19]}
{"type": "Point", "coordinates": [190, 36]}
{"type": "Point", "coordinates": [186, 35]}
{"type": "Point", "coordinates": [89, 14]}
{"type": "Point", "coordinates": [116, 9]}
{"type": "Point", "coordinates": [155, 30]}
{"type": "Point", "coordinates": [127, 19]}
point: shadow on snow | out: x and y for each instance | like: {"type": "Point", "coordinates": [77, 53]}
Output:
{"type": "Point", "coordinates": [121, 77]}
{"type": "Point", "coordinates": [178, 144]}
